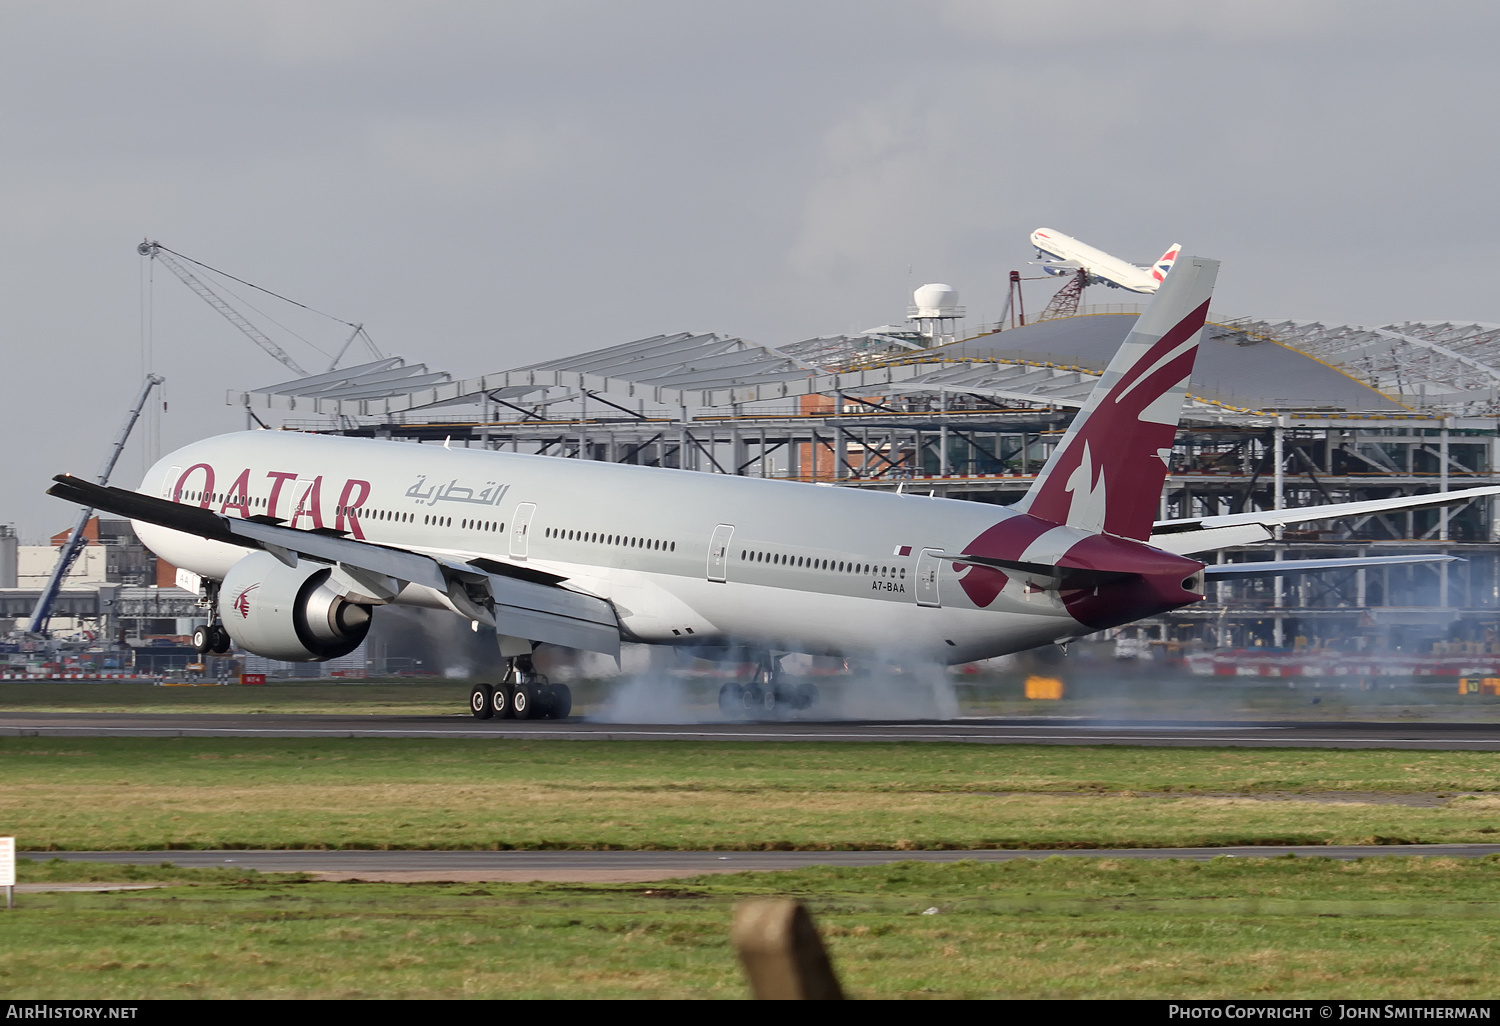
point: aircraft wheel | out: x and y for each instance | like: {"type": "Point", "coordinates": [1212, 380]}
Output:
{"type": "Point", "coordinates": [751, 697]}
{"type": "Point", "coordinates": [218, 640]}
{"type": "Point", "coordinates": [562, 701]}
{"type": "Point", "coordinates": [201, 638]}
{"type": "Point", "coordinates": [527, 702]}
{"type": "Point", "coordinates": [732, 700]}
{"type": "Point", "coordinates": [804, 696]}
{"type": "Point", "coordinates": [760, 700]}
{"type": "Point", "coordinates": [481, 701]}
{"type": "Point", "coordinates": [505, 701]}
{"type": "Point", "coordinates": [770, 698]}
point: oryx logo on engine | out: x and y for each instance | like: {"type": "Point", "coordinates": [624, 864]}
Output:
{"type": "Point", "coordinates": [242, 602]}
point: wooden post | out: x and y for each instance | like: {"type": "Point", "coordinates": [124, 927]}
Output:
{"type": "Point", "coordinates": [782, 953]}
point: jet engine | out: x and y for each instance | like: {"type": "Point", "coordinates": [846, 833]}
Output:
{"type": "Point", "coordinates": [291, 613]}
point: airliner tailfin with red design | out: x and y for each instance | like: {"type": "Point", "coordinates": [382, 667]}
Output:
{"type": "Point", "coordinates": [1164, 264]}
{"type": "Point", "coordinates": [1107, 473]}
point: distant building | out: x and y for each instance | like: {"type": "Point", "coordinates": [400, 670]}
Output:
{"type": "Point", "coordinates": [112, 555]}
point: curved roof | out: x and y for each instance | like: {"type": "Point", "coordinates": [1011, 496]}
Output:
{"type": "Point", "coordinates": [1434, 366]}
{"type": "Point", "coordinates": [1235, 368]}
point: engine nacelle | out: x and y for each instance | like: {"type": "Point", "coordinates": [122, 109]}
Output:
{"type": "Point", "coordinates": [289, 613]}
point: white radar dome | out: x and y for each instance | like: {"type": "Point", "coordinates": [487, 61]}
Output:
{"type": "Point", "coordinates": [935, 300]}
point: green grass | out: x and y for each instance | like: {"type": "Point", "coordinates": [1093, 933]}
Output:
{"type": "Point", "coordinates": [113, 793]}
{"type": "Point", "coordinates": [35, 871]}
{"type": "Point", "coordinates": [1386, 928]}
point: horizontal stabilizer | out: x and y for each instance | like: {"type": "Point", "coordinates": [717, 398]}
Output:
{"type": "Point", "coordinates": [1067, 577]}
{"type": "Point", "coordinates": [520, 607]}
{"type": "Point", "coordinates": [1281, 568]}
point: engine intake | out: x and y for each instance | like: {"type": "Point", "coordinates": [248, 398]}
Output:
{"type": "Point", "coordinates": [289, 613]}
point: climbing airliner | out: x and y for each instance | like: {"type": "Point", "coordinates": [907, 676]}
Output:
{"type": "Point", "coordinates": [1068, 256]}
{"type": "Point", "coordinates": [295, 540]}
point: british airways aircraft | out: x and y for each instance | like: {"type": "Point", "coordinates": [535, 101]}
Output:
{"type": "Point", "coordinates": [1069, 255]}
{"type": "Point", "coordinates": [296, 539]}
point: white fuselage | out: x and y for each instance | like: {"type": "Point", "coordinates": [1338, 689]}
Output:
{"type": "Point", "coordinates": [806, 567]}
{"type": "Point", "coordinates": [1100, 265]}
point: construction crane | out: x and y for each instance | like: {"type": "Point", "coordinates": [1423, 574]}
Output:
{"type": "Point", "coordinates": [156, 251]}
{"type": "Point", "coordinates": [41, 615]}
{"type": "Point", "coordinates": [173, 261]}
{"type": "Point", "coordinates": [1065, 302]}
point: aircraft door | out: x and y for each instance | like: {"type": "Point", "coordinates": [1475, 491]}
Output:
{"type": "Point", "coordinates": [520, 530]}
{"type": "Point", "coordinates": [929, 563]}
{"type": "Point", "coordinates": [718, 553]}
{"type": "Point", "coordinates": [170, 482]}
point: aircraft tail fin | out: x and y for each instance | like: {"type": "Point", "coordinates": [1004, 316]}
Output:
{"type": "Point", "coordinates": [1107, 472]}
{"type": "Point", "coordinates": [1164, 263]}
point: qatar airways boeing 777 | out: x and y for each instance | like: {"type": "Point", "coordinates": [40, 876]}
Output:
{"type": "Point", "coordinates": [294, 540]}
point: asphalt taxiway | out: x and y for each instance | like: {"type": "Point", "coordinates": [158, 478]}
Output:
{"type": "Point", "coordinates": [1030, 731]}
{"type": "Point", "coordinates": [646, 866]}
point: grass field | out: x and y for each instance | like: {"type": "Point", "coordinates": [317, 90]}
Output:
{"type": "Point", "coordinates": [1230, 928]}
{"type": "Point", "coordinates": [1380, 928]}
{"type": "Point", "coordinates": [114, 793]}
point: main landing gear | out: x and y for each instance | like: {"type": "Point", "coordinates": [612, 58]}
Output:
{"type": "Point", "coordinates": [212, 637]}
{"type": "Point", "coordinates": [523, 694]}
{"type": "Point", "coordinates": [768, 695]}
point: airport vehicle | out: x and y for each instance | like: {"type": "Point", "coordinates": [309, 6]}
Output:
{"type": "Point", "coordinates": [1068, 255]}
{"type": "Point", "coordinates": [296, 538]}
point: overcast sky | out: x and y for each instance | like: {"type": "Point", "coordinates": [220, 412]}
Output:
{"type": "Point", "coordinates": [493, 183]}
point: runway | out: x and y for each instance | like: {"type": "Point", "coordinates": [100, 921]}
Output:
{"type": "Point", "coordinates": [646, 866]}
{"type": "Point", "coordinates": [1030, 731]}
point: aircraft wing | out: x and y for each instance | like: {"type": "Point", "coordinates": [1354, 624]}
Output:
{"type": "Point", "coordinates": [515, 600]}
{"type": "Point", "coordinates": [1277, 568]}
{"type": "Point", "coordinates": [1206, 534]}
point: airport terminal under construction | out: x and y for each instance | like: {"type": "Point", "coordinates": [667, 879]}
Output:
{"type": "Point", "coordinates": [1280, 414]}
